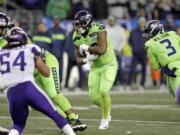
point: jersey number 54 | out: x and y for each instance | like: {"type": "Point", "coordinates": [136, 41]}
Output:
{"type": "Point", "coordinates": [5, 63]}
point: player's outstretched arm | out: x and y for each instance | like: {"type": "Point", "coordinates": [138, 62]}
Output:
{"type": "Point", "coordinates": [42, 67]}
{"type": "Point", "coordinates": [101, 44]}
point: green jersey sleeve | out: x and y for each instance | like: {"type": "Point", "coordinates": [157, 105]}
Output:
{"type": "Point", "coordinates": [100, 27]}
{"type": "Point", "coordinates": [152, 58]}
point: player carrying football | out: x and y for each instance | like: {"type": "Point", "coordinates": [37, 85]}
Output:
{"type": "Point", "coordinates": [90, 38]}
{"type": "Point", "coordinates": [163, 50]}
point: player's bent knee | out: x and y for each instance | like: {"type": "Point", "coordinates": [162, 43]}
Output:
{"type": "Point", "coordinates": [93, 97]}
{"type": "Point", "coordinates": [103, 94]}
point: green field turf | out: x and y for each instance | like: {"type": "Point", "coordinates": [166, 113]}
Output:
{"type": "Point", "coordinates": [132, 114]}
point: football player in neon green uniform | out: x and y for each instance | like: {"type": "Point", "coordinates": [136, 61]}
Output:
{"type": "Point", "coordinates": [163, 50]}
{"type": "Point", "coordinates": [51, 86]}
{"type": "Point", "coordinates": [91, 39]}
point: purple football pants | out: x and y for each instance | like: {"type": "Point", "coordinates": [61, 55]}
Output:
{"type": "Point", "coordinates": [27, 94]}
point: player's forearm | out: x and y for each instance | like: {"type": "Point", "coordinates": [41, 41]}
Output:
{"type": "Point", "coordinates": [97, 50]}
{"type": "Point", "coordinates": [42, 67]}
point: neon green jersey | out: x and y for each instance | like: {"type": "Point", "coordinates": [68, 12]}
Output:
{"type": "Point", "coordinates": [91, 40]}
{"type": "Point", "coordinates": [163, 49]}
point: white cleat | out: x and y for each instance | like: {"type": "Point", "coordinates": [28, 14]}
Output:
{"type": "Point", "coordinates": [105, 123]}
{"type": "Point", "coordinates": [3, 131]}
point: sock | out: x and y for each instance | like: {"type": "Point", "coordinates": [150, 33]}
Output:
{"type": "Point", "coordinates": [106, 105]}
{"type": "Point", "coordinates": [178, 95]}
{"type": "Point", "coordinates": [62, 102]}
{"type": "Point", "coordinates": [13, 132]}
{"type": "Point", "coordinates": [61, 112]}
{"type": "Point", "coordinates": [68, 130]}
{"type": "Point", "coordinates": [72, 116]}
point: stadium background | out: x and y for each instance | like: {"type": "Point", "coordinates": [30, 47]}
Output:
{"type": "Point", "coordinates": [151, 112]}
{"type": "Point", "coordinates": [28, 13]}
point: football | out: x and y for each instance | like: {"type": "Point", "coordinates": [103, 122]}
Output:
{"type": "Point", "coordinates": [84, 54]}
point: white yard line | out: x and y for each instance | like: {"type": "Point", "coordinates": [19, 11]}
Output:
{"type": "Point", "coordinates": [97, 120]}
{"type": "Point", "coordinates": [114, 92]}
{"type": "Point", "coordinates": [127, 106]}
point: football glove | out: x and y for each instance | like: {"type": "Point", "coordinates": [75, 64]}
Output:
{"type": "Point", "coordinates": [83, 48]}
{"type": "Point", "coordinates": [89, 57]}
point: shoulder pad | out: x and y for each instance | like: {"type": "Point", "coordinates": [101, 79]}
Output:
{"type": "Point", "coordinates": [99, 26]}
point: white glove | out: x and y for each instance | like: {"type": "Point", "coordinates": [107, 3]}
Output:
{"type": "Point", "coordinates": [85, 60]}
{"type": "Point", "coordinates": [83, 48]}
{"type": "Point", "coordinates": [89, 57]}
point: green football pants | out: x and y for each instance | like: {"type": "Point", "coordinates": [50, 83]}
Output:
{"type": "Point", "coordinates": [51, 84]}
{"type": "Point", "coordinates": [100, 82]}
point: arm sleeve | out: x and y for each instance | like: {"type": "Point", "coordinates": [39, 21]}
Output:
{"type": "Point", "coordinates": [152, 58]}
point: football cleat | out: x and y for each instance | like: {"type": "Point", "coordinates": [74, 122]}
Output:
{"type": "Point", "coordinates": [77, 125]}
{"type": "Point", "coordinates": [105, 123]}
{"type": "Point", "coordinates": [4, 131]}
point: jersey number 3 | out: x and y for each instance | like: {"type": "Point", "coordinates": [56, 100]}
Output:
{"type": "Point", "coordinates": [169, 46]}
{"type": "Point", "coordinates": [18, 61]}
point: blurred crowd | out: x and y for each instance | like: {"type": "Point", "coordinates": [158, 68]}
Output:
{"type": "Point", "coordinates": [101, 9]}
{"type": "Point", "coordinates": [128, 45]}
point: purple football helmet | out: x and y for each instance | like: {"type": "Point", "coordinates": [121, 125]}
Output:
{"type": "Point", "coordinates": [17, 37]}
